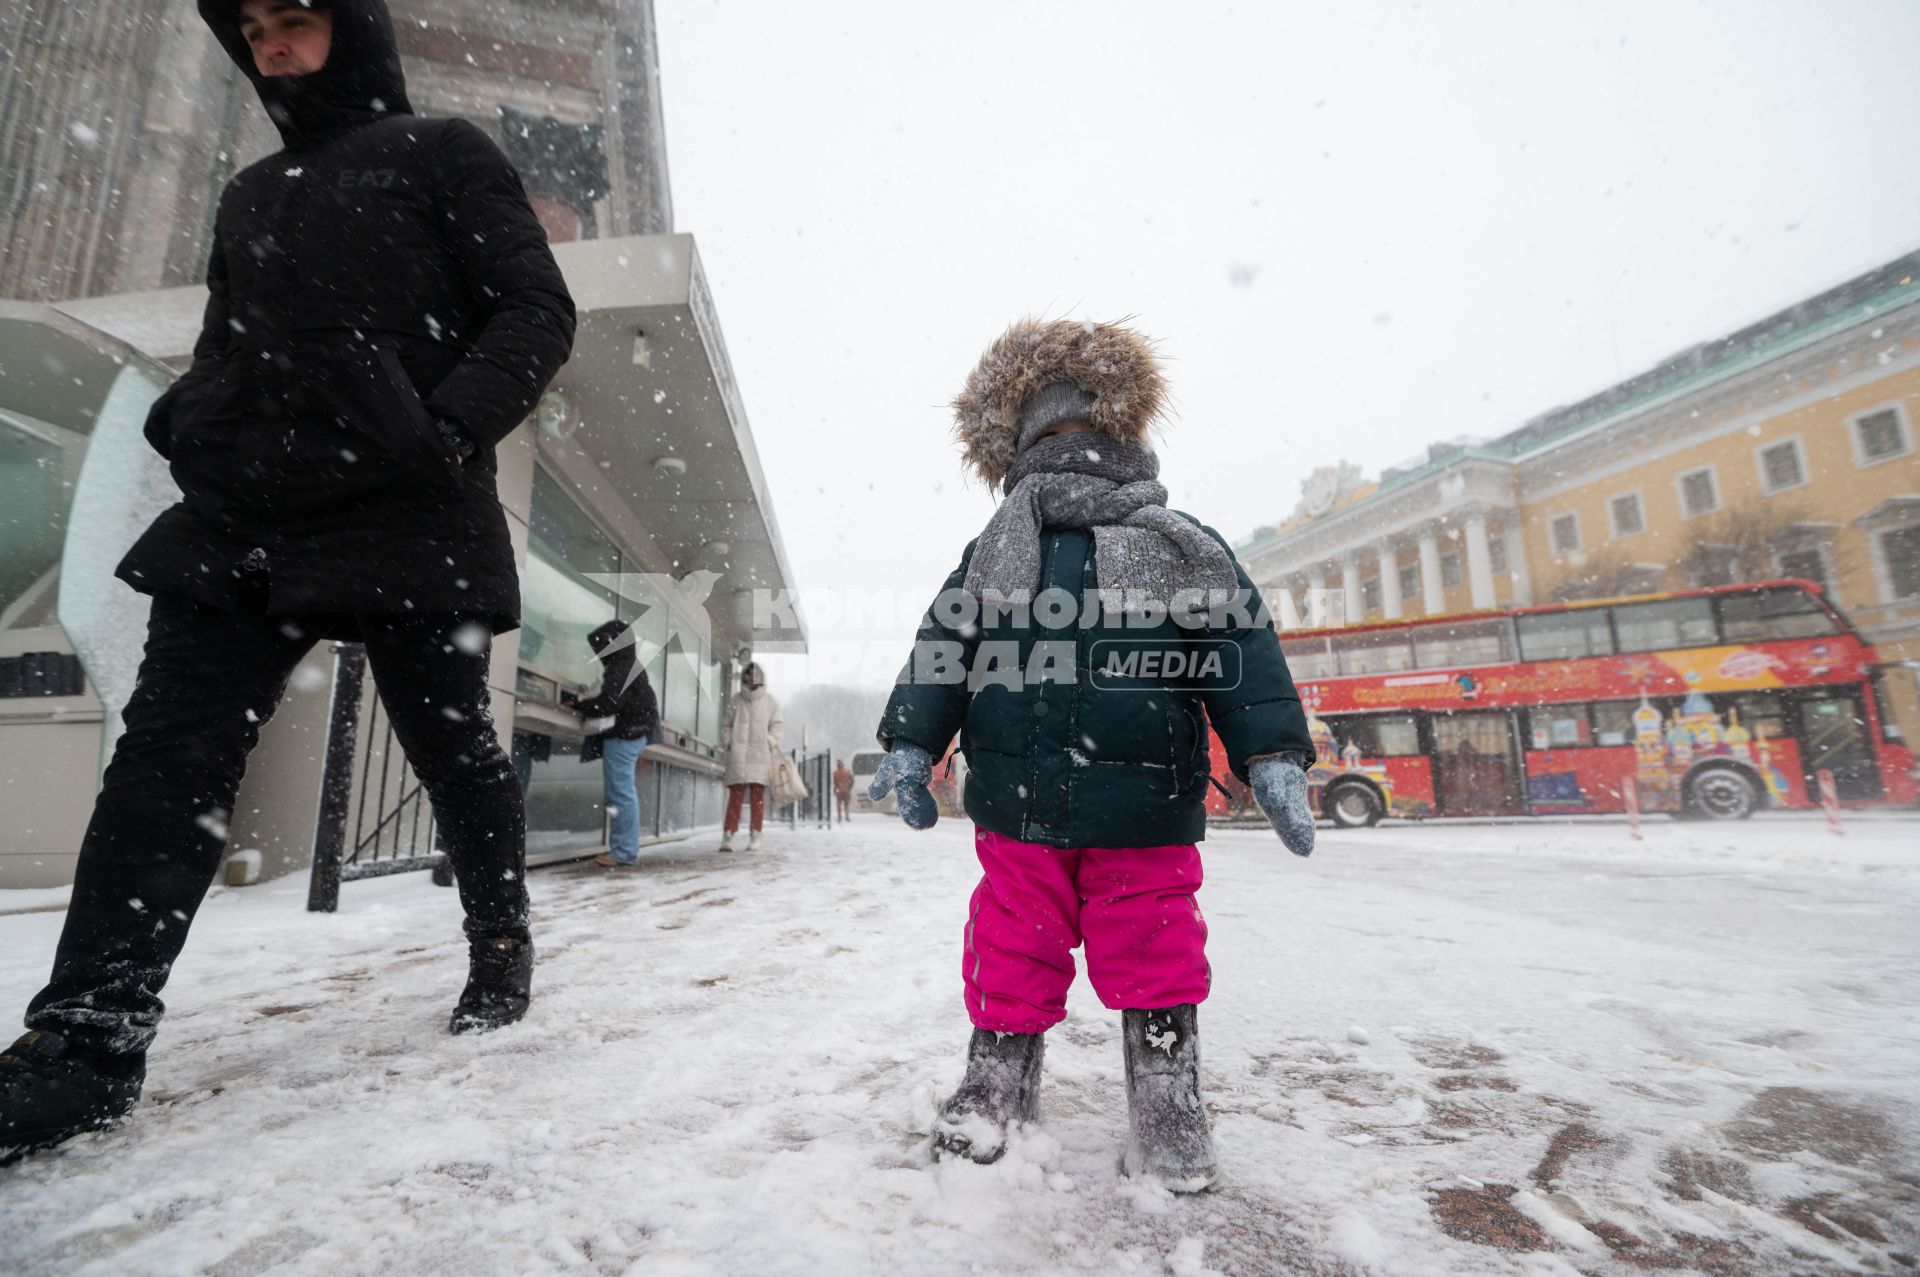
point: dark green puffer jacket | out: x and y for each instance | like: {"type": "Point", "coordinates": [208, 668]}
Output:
{"type": "Point", "coordinates": [1074, 760]}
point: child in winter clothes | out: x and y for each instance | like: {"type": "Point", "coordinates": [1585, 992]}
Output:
{"type": "Point", "coordinates": [1070, 651]}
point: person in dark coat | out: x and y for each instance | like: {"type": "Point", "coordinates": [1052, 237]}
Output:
{"type": "Point", "coordinates": [621, 718]}
{"type": "Point", "coordinates": [382, 310]}
{"type": "Point", "coordinates": [1075, 651]}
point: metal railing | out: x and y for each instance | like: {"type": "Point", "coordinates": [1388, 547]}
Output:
{"type": "Point", "coordinates": [816, 773]}
{"type": "Point", "coordinates": [375, 818]}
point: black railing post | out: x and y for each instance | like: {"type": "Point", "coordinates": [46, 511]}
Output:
{"type": "Point", "coordinates": [336, 784]}
{"type": "Point", "coordinates": [824, 769]}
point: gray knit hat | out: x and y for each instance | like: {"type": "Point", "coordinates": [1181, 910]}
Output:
{"type": "Point", "coordinates": [1047, 407]}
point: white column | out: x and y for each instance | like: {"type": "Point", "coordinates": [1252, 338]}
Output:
{"type": "Point", "coordinates": [1317, 598]}
{"type": "Point", "coordinates": [1389, 582]}
{"type": "Point", "coordinates": [1479, 562]}
{"type": "Point", "coordinates": [1433, 594]}
{"type": "Point", "coordinates": [1517, 563]}
{"type": "Point", "coordinates": [1350, 586]}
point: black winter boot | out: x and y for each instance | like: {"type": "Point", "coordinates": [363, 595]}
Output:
{"type": "Point", "coordinates": [499, 985]}
{"type": "Point", "coordinates": [1168, 1137]}
{"type": "Point", "coordinates": [1002, 1086]}
{"type": "Point", "coordinates": [52, 1090]}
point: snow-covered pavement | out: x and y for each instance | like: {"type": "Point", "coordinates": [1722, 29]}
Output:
{"type": "Point", "coordinates": [1466, 1049]}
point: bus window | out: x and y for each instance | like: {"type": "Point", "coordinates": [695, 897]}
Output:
{"type": "Point", "coordinates": [1383, 653]}
{"type": "Point", "coordinates": [1474, 643]}
{"type": "Point", "coordinates": [1649, 627]}
{"type": "Point", "coordinates": [1783, 612]}
{"type": "Point", "coordinates": [1613, 722]}
{"type": "Point", "coordinates": [1763, 714]}
{"type": "Point", "coordinates": [1308, 658]}
{"type": "Point", "coordinates": [1376, 735]}
{"type": "Point", "coordinates": [1558, 726]}
{"type": "Point", "coordinates": [1559, 636]}
{"type": "Point", "coordinates": [1396, 737]}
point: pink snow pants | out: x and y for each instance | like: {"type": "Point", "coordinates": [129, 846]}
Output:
{"type": "Point", "coordinates": [1133, 906]}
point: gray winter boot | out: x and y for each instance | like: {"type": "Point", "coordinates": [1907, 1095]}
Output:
{"type": "Point", "coordinates": [1168, 1137]}
{"type": "Point", "coordinates": [1002, 1087]}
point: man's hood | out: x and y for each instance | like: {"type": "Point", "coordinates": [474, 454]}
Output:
{"type": "Point", "coordinates": [362, 80]}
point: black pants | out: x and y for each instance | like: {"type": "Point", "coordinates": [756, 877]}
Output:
{"type": "Point", "coordinates": [208, 680]}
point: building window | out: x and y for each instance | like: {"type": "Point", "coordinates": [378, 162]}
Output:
{"type": "Point", "coordinates": [1565, 531]}
{"type": "Point", "coordinates": [1699, 493]}
{"type": "Point", "coordinates": [44, 433]}
{"type": "Point", "coordinates": [1900, 550]}
{"type": "Point", "coordinates": [1781, 466]}
{"type": "Point", "coordinates": [1808, 565]}
{"type": "Point", "coordinates": [565, 592]}
{"type": "Point", "coordinates": [1409, 581]}
{"type": "Point", "coordinates": [1714, 565]}
{"type": "Point", "coordinates": [1370, 594]}
{"type": "Point", "coordinates": [1497, 553]}
{"type": "Point", "coordinates": [1881, 435]}
{"type": "Point", "coordinates": [1449, 570]}
{"type": "Point", "coordinates": [1624, 513]}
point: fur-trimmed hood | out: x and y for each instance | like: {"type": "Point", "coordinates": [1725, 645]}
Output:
{"type": "Point", "coordinates": [1111, 362]}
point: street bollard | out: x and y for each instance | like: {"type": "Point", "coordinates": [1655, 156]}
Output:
{"type": "Point", "coordinates": [1630, 792]}
{"type": "Point", "coordinates": [1830, 802]}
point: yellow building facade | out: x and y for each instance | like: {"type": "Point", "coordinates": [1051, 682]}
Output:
{"type": "Point", "coordinates": [1788, 449]}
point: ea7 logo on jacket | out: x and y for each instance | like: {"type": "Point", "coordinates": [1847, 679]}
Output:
{"type": "Point", "coordinates": [380, 177]}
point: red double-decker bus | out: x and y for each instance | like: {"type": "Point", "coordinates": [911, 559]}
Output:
{"type": "Point", "coordinates": [1715, 702]}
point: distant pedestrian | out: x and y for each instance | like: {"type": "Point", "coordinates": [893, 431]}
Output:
{"type": "Point", "coordinates": [627, 715]}
{"type": "Point", "coordinates": [753, 738]}
{"type": "Point", "coordinates": [842, 789]}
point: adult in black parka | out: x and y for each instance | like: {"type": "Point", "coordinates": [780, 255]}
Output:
{"type": "Point", "coordinates": [382, 310]}
{"type": "Point", "coordinates": [377, 288]}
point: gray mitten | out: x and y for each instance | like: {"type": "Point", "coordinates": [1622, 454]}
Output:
{"type": "Point", "coordinates": [907, 770]}
{"type": "Point", "coordinates": [1280, 787]}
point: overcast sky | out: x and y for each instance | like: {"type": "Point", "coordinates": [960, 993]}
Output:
{"type": "Point", "coordinates": [1355, 228]}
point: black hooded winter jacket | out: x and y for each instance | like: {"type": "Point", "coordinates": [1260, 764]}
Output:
{"type": "Point", "coordinates": [634, 708]}
{"type": "Point", "coordinates": [379, 275]}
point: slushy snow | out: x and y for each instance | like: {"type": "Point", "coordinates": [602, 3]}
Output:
{"type": "Point", "coordinates": [1522, 1048]}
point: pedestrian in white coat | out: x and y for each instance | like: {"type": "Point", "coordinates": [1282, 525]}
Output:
{"type": "Point", "coordinates": [753, 738]}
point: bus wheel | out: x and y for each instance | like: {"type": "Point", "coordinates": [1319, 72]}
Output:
{"type": "Point", "coordinates": [1353, 805]}
{"type": "Point", "coordinates": [1721, 793]}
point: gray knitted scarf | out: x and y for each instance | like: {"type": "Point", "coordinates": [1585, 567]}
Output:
{"type": "Point", "coordinates": [1142, 550]}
